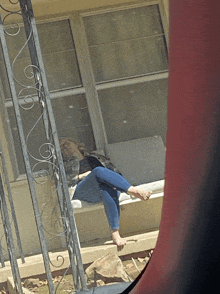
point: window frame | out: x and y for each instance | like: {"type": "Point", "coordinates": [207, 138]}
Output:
{"type": "Point", "coordinates": [89, 86]}
{"type": "Point", "coordinates": [93, 98]}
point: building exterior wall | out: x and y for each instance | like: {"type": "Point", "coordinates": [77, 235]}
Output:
{"type": "Point", "coordinates": [19, 185]}
{"type": "Point", "coordinates": [48, 7]}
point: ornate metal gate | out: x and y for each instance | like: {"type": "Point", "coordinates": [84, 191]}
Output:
{"type": "Point", "coordinates": [53, 158]}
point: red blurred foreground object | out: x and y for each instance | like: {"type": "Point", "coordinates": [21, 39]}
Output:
{"type": "Point", "coordinates": [187, 254]}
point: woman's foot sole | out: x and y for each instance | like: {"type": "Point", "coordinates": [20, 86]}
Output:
{"type": "Point", "coordinates": [143, 195]}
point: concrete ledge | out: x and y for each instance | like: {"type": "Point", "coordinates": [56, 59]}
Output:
{"type": "Point", "coordinates": [83, 206]}
{"type": "Point", "coordinates": [34, 265]}
{"type": "Point", "coordinates": [136, 217]}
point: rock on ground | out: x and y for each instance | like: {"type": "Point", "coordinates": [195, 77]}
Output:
{"type": "Point", "coordinates": [108, 269]}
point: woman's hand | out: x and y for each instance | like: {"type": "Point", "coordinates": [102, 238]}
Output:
{"type": "Point", "coordinates": [81, 176]}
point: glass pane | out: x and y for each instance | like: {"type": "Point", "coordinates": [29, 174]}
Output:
{"type": "Point", "coordinates": [135, 111]}
{"type": "Point", "coordinates": [123, 25]}
{"type": "Point", "coordinates": [55, 36]}
{"type": "Point", "coordinates": [72, 120]}
{"type": "Point", "coordinates": [126, 43]}
{"type": "Point", "coordinates": [4, 79]}
{"type": "Point", "coordinates": [36, 139]}
{"type": "Point", "coordinates": [128, 58]}
{"type": "Point", "coordinates": [59, 57]}
{"type": "Point", "coordinates": [61, 70]}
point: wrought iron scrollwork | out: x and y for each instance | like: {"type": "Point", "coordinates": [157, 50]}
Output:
{"type": "Point", "coordinates": [36, 94]}
{"type": "Point", "coordinates": [13, 25]}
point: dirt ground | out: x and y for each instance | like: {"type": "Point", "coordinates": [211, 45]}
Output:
{"type": "Point", "coordinates": [133, 264]}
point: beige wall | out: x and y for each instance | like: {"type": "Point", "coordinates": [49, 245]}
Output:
{"type": "Point", "coordinates": [4, 142]}
{"type": "Point", "coordinates": [166, 7]}
{"type": "Point", "coordinates": [20, 189]}
{"type": "Point", "coordinates": [48, 7]}
{"type": "Point", "coordinates": [49, 210]}
{"type": "Point", "coordinates": [136, 217]}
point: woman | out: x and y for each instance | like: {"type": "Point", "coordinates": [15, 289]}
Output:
{"type": "Point", "coordinates": [109, 182]}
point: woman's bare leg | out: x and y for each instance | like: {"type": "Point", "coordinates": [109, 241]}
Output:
{"type": "Point", "coordinates": [143, 195]}
{"type": "Point", "coordinates": [117, 238]}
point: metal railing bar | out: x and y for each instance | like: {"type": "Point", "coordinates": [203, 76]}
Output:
{"type": "Point", "coordinates": [26, 159]}
{"type": "Point", "coordinates": [58, 153]}
{"type": "Point", "coordinates": [59, 158]}
{"type": "Point", "coordinates": [34, 59]}
{"type": "Point", "coordinates": [69, 221]}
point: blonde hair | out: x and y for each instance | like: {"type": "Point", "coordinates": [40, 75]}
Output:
{"type": "Point", "coordinates": [65, 145]}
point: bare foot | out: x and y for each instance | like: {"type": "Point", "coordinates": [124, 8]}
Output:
{"type": "Point", "coordinates": [143, 195]}
{"type": "Point", "coordinates": [117, 239]}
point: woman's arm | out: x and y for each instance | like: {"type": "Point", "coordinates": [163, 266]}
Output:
{"type": "Point", "coordinates": [81, 176]}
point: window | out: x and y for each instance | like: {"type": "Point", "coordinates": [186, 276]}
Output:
{"type": "Point", "coordinates": [129, 59]}
{"type": "Point", "coordinates": [127, 54]}
{"type": "Point", "coordinates": [134, 111]}
{"type": "Point", "coordinates": [126, 43]}
{"type": "Point", "coordinates": [64, 81]}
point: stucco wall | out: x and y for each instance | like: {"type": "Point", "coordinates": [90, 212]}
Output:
{"type": "Point", "coordinates": [4, 142]}
{"type": "Point", "coordinates": [166, 7]}
{"type": "Point", "coordinates": [20, 189]}
{"type": "Point", "coordinates": [48, 7]}
{"type": "Point", "coordinates": [49, 211]}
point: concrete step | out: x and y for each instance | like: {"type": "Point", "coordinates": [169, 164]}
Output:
{"type": "Point", "coordinates": [34, 265]}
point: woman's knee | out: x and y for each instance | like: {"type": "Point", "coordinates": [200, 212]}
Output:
{"type": "Point", "coordinates": [98, 169]}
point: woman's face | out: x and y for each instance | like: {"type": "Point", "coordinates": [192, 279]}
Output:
{"type": "Point", "coordinates": [76, 152]}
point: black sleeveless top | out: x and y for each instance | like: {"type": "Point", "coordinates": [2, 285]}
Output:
{"type": "Point", "coordinates": [88, 163]}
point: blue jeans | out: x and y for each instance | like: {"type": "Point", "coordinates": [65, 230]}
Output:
{"type": "Point", "coordinates": [111, 184]}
